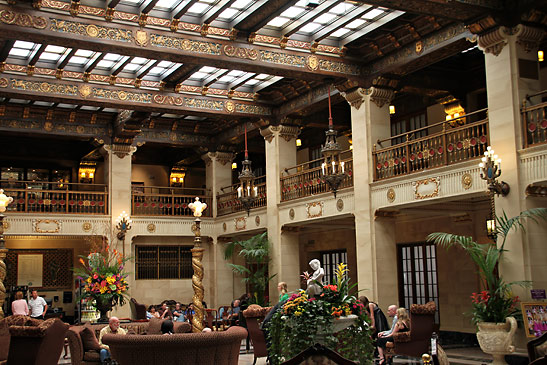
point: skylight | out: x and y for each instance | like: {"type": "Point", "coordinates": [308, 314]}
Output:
{"type": "Point", "coordinates": [372, 14]}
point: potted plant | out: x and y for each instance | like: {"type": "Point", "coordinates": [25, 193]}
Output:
{"type": "Point", "coordinates": [104, 279]}
{"type": "Point", "coordinates": [304, 321]}
{"type": "Point", "coordinates": [492, 309]}
{"type": "Point", "coordinates": [256, 251]}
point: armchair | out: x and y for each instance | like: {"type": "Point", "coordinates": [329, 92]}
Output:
{"type": "Point", "coordinates": [537, 348]}
{"type": "Point", "coordinates": [254, 316]}
{"type": "Point", "coordinates": [138, 310]}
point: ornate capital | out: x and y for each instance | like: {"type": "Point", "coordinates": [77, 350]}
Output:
{"type": "Point", "coordinates": [355, 97]}
{"type": "Point", "coordinates": [494, 41]}
{"type": "Point", "coordinates": [287, 132]}
{"type": "Point", "coordinates": [222, 157]}
{"type": "Point", "coordinates": [528, 37]}
{"type": "Point", "coordinates": [269, 132]}
{"type": "Point", "coordinates": [120, 150]}
{"type": "Point", "coordinates": [380, 96]}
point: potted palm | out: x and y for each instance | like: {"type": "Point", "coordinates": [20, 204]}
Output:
{"type": "Point", "coordinates": [492, 309]}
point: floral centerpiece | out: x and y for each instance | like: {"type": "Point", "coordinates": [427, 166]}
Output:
{"type": "Point", "coordinates": [104, 279]}
{"type": "Point", "coordinates": [304, 321]}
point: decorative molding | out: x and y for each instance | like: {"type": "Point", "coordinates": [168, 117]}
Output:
{"type": "Point", "coordinates": [288, 132]}
{"type": "Point", "coordinates": [427, 188]}
{"type": "Point", "coordinates": [87, 226]}
{"type": "Point", "coordinates": [380, 96]}
{"type": "Point", "coordinates": [291, 213]}
{"type": "Point", "coordinates": [221, 157]}
{"type": "Point", "coordinates": [315, 209]}
{"type": "Point", "coordinates": [257, 220]}
{"type": "Point", "coordinates": [494, 41]}
{"type": "Point", "coordinates": [224, 227]}
{"type": "Point", "coordinates": [268, 133]}
{"type": "Point", "coordinates": [46, 225]}
{"type": "Point", "coordinates": [120, 150]}
{"type": "Point", "coordinates": [6, 225]}
{"type": "Point", "coordinates": [151, 227]}
{"type": "Point", "coordinates": [391, 195]}
{"type": "Point", "coordinates": [22, 20]}
{"type": "Point", "coordinates": [240, 223]}
{"type": "Point", "coordinates": [529, 37]}
{"type": "Point", "coordinates": [339, 205]}
{"type": "Point", "coordinates": [467, 181]}
{"type": "Point", "coordinates": [355, 97]}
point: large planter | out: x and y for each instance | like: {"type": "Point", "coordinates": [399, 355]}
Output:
{"type": "Point", "coordinates": [103, 306]}
{"type": "Point", "coordinates": [341, 323]}
{"type": "Point", "coordinates": [496, 339]}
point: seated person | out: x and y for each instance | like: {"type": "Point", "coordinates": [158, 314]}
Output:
{"type": "Point", "coordinates": [152, 313]}
{"type": "Point", "coordinates": [165, 312]}
{"type": "Point", "coordinates": [402, 325]}
{"type": "Point", "coordinates": [233, 315]}
{"type": "Point", "coordinates": [167, 327]}
{"type": "Point", "coordinates": [189, 312]}
{"type": "Point", "coordinates": [114, 328]}
{"type": "Point", "coordinates": [19, 305]}
{"type": "Point", "coordinates": [178, 313]}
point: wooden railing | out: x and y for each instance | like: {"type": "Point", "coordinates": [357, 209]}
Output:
{"type": "Point", "coordinates": [452, 144]}
{"type": "Point", "coordinates": [49, 197]}
{"type": "Point", "coordinates": [534, 122]}
{"type": "Point", "coordinates": [166, 201]}
{"type": "Point", "coordinates": [305, 179]}
{"type": "Point", "coordinates": [228, 203]}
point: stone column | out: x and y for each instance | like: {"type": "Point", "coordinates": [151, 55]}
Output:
{"type": "Point", "coordinates": [118, 171]}
{"type": "Point", "coordinates": [512, 72]}
{"type": "Point", "coordinates": [218, 171]}
{"type": "Point", "coordinates": [375, 245]}
{"type": "Point", "coordinates": [280, 154]}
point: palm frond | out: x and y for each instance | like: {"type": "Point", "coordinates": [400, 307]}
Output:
{"type": "Point", "coordinates": [505, 224]}
{"type": "Point", "coordinates": [238, 269]}
{"type": "Point", "coordinates": [229, 250]}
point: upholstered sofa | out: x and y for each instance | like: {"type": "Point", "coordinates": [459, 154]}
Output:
{"type": "Point", "coordinates": [83, 353]}
{"type": "Point", "coordinates": [206, 348]}
{"type": "Point", "coordinates": [25, 340]}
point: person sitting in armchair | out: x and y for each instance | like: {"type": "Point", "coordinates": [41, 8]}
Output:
{"type": "Point", "coordinates": [114, 328]}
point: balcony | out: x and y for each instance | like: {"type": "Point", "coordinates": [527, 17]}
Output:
{"type": "Point", "coordinates": [166, 201]}
{"type": "Point", "coordinates": [445, 143]}
{"type": "Point", "coordinates": [306, 180]}
{"type": "Point", "coordinates": [228, 203]}
{"type": "Point", "coordinates": [61, 198]}
{"type": "Point", "coordinates": [534, 122]}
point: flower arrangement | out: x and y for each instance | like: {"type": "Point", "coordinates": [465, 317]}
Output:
{"type": "Point", "coordinates": [103, 276]}
{"type": "Point", "coordinates": [496, 302]}
{"type": "Point", "coordinates": [304, 321]}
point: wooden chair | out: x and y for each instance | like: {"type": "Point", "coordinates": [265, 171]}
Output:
{"type": "Point", "coordinates": [537, 348]}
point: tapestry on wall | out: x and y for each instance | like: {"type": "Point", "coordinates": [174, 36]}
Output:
{"type": "Point", "coordinates": [55, 271]}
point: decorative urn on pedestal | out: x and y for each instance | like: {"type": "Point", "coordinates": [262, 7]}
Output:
{"type": "Point", "coordinates": [496, 338]}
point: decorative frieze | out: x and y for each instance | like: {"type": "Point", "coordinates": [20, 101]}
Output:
{"type": "Point", "coordinates": [22, 20]}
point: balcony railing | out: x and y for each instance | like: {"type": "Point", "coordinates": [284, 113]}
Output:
{"type": "Point", "coordinates": [166, 201]}
{"type": "Point", "coordinates": [228, 203]}
{"type": "Point", "coordinates": [49, 197]}
{"type": "Point", "coordinates": [305, 179]}
{"type": "Point", "coordinates": [452, 144]}
{"type": "Point", "coordinates": [534, 122]}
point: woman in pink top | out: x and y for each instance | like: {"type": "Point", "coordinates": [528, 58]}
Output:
{"type": "Point", "coordinates": [19, 305]}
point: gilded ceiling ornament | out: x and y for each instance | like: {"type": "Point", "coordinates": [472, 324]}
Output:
{"type": "Point", "coordinates": [48, 126]}
{"type": "Point", "coordinates": [427, 188]}
{"type": "Point", "coordinates": [240, 223]}
{"type": "Point", "coordinates": [230, 106]}
{"type": "Point", "coordinates": [419, 47]}
{"type": "Point", "coordinates": [240, 52]}
{"type": "Point", "coordinates": [291, 213]}
{"type": "Point", "coordinates": [86, 226]}
{"type": "Point", "coordinates": [339, 205]}
{"type": "Point", "coordinates": [85, 91]}
{"type": "Point", "coordinates": [4, 82]}
{"type": "Point", "coordinates": [6, 225]}
{"type": "Point", "coordinates": [355, 98]}
{"type": "Point", "coordinates": [92, 30]}
{"type": "Point", "coordinates": [257, 220]}
{"type": "Point", "coordinates": [391, 195]}
{"type": "Point", "coordinates": [141, 38]}
{"type": "Point", "coordinates": [151, 228]}
{"type": "Point", "coordinates": [312, 63]}
{"type": "Point", "coordinates": [314, 209]}
{"type": "Point", "coordinates": [80, 129]}
{"type": "Point", "coordinates": [23, 20]}
{"type": "Point", "coordinates": [467, 181]}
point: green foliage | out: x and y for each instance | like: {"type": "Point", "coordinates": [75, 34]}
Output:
{"type": "Point", "coordinates": [496, 302]}
{"type": "Point", "coordinates": [256, 251]}
{"type": "Point", "coordinates": [304, 321]}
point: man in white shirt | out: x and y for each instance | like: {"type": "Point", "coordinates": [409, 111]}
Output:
{"type": "Point", "coordinates": [113, 327]}
{"type": "Point", "coordinates": [392, 312]}
{"type": "Point", "coordinates": [37, 305]}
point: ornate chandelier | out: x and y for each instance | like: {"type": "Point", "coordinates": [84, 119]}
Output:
{"type": "Point", "coordinates": [247, 192]}
{"type": "Point", "coordinates": [332, 170]}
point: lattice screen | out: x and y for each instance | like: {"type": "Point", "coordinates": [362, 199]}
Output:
{"type": "Point", "coordinates": [57, 268]}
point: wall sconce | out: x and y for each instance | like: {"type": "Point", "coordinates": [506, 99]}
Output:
{"type": "Point", "coordinates": [86, 172]}
{"type": "Point", "coordinates": [4, 201]}
{"type": "Point", "coordinates": [491, 170]}
{"type": "Point", "coordinates": [234, 165]}
{"type": "Point", "coordinates": [298, 142]}
{"type": "Point", "coordinates": [392, 109]}
{"type": "Point", "coordinates": [540, 56]}
{"type": "Point", "coordinates": [491, 228]}
{"type": "Point", "coordinates": [176, 178]}
{"type": "Point", "coordinates": [123, 224]}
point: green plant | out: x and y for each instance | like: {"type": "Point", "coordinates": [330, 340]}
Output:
{"type": "Point", "coordinates": [104, 276]}
{"type": "Point", "coordinates": [496, 302]}
{"type": "Point", "coordinates": [256, 252]}
{"type": "Point", "coordinates": [304, 321]}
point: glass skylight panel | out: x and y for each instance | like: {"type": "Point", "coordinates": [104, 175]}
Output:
{"type": "Point", "coordinates": [252, 82]}
{"type": "Point", "coordinates": [356, 23]}
{"type": "Point", "coordinates": [55, 49]}
{"type": "Point", "coordinates": [199, 8]}
{"type": "Point", "coordinates": [19, 52]}
{"type": "Point", "coordinates": [340, 32]}
{"type": "Point", "coordinates": [22, 49]}
{"type": "Point", "coordinates": [84, 53]}
{"type": "Point", "coordinates": [228, 14]}
{"type": "Point", "coordinates": [132, 2]}
{"type": "Point", "coordinates": [226, 79]}
{"type": "Point", "coordinates": [167, 4]}
{"type": "Point", "coordinates": [165, 64]}
{"type": "Point", "coordinates": [235, 73]}
{"type": "Point", "coordinates": [310, 27]}
{"type": "Point", "coordinates": [47, 56]}
{"type": "Point", "coordinates": [208, 69]}
{"type": "Point", "coordinates": [132, 67]}
{"type": "Point", "coordinates": [112, 57]}
{"type": "Point", "coordinates": [43, 103]}
{"type": "Point", "coordinates": [262, 76]}
{"type": "Point", "coordinates": [23, 44]}
{"type": "Point", "coordinates": [105, 64]}
{"type": "Point", "coordinates": [292, 12]}
{"type": "Point", "coordinates": [325, 18]}
{"type": "Point", "coordinates": [372, 14]}
{"type": "Point", "coordinates": [240, 4]}
{"type": "Point", "coordinates": [198, 76]}
{"type": "Point", "coordinates": [78, 60]}
{"type": "Point", "coordinates": [278, 21]}
{"type": "Point", "coordinates": [342, 8]}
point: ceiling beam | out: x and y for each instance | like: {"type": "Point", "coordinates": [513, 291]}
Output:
{"type": "Point", "coordinates": [309, 16]}
{"type": "Point", "coordinates": [107, 96]}
{"type": "Point", "coordinates": [181, 9]}
{"type": "Point", "coordinates": [165, 45]}
{"type": "Point", "coordinates": [37, 55]}
{"type": "Point", "coordinates": [6, 48]}
{"type": "Point", "coordinates": [61, 65]}
{"type": "Point", "coordinates": [212, 14]}
{"type": "Point", "coordinates": [342, 22]}
{"type": "Point", "coordinates": [147, 69]}
{"type": "Point", "coordinates": [263, 15]}
{"type": "Point", "coordinates": [128, 126]}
